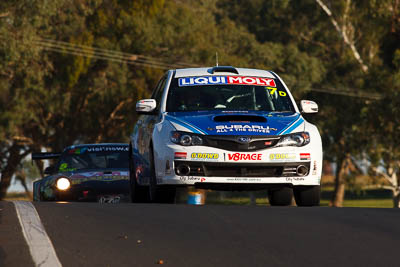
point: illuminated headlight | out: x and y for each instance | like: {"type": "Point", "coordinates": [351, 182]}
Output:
{"type": "Point", "coordinates": [296, 139]}
{"type": "Point", "coordinates": [63, 184]}
{"type": "Point", "coordinates": [186, 139]}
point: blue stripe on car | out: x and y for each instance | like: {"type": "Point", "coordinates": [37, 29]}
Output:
{"type": "Point", "coordinates": [185, 124]}
{"type": "Point", "coordinates": [293, 126]}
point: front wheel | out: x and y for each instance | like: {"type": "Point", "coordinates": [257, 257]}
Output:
{"type": "Point", "coordinates": [280, 196]}
{"type": "Point", "coordinates": [157, 193]}
{"type": "Point", "coordinates": [307, 195]}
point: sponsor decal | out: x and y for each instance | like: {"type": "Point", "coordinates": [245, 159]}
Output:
{"type": "Point", "coordinates": [191, 178]}
{"type": "Point", "coordinates": [282, 156]}
{"type": "Point", "coordinates": [107, 148]}
{"type": "Point", "coordinates": [64, 168]}
{"type": "Point", "coordinates": [180, 155]}
{"type": "Point", "coordinates": [243, 128]}
{"type": "Point", "coordinates": [77, 151]}
{"type": "Point", "coordinates": [240, 179]}
{"type": "Point", "coordinates": [314, 172]}
{"type": "Point", "coordinates": [244, 80]}
{"type": "Point", "coordinates": [242, 156]}
{"type": "Point", "coordinates": [274, 90]}
{"type": "Point", "coordinates": [109, 199]}
{"type": "Point", "coordinates": [99, 178]}
{"type": "Point", "coordinates": [305, 156]}
{"type": "Point", "coordinates": [202, 156]}
{"type": "Point", "coordinates": [296, 179]}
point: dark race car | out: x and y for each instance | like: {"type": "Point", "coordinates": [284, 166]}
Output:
{"type": "Point", "coordinates": [90, 172]}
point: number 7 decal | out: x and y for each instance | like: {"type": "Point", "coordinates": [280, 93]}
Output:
{"type": "Point", "coordinates": [273, 90]}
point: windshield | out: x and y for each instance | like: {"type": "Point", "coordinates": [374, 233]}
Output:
{"type": "Point", "coordinates": [211, 93]}
{"type": "Point", "coordinates": [94, 158]}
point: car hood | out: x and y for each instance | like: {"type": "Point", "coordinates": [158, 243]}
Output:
{"type": "Point", "coordinates": [236, 122]}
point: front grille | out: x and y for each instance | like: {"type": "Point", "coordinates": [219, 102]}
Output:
{"type": "Point", "coordinates": [232, 143]}
{"type": "Point", "coordinates": [213, 169]}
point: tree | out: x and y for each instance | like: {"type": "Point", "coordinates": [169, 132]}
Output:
{"type": "Point", "coordinates": [49, 100]}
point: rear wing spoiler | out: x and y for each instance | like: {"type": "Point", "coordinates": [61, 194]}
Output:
{"type": "Point", "coordinates": [45, 155]}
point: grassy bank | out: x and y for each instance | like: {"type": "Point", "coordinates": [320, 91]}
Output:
{"type": "Point", "coordinates": [373, 198]}
{"type": "Point", "coordinates": [17, 196]}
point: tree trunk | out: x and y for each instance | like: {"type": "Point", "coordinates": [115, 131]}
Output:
{"type": "Point", "coordinates": [340, 186]}
{"type": "Point", "coordinates": [393, 179]}
{"type": "Point", "coordinates": [395, 190]}
{"type": "Point", "coordinates": [348, 40]}
{"type": "Point", "coordinates": [7, 173]}
{"type": "Point", "coordinates": [4, 184]}
{"type": "Point", "coordinates": [396, 197]}
{"type": "Point", "coordinates": [21, 177]}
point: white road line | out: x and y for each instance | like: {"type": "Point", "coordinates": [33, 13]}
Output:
{"type": "Point", "coordinates": [40, 246]}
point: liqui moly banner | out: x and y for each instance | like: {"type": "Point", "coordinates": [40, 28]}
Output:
{"type": "Point", "coordinates": [209, 80]}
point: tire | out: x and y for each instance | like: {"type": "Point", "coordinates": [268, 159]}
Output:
{"type": "Point", "coordinates": [280, 196]}
{"type": "Point", "coordinates": [307, 196]}
{"type": "Point", "coordinates": [138, 194]}
{"type": "Point", "coordinates": [159, 194]}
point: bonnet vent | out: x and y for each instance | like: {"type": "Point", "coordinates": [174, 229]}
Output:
{"type": "Point", "coordinates": [224, 69]}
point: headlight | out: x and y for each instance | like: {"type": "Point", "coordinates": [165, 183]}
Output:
{"type": "Point", "coordinates": [186, 139]}
{"type": "Point", "coordinates": [296, 139]}
{"type": "Point", "coordinates": [63, 183]}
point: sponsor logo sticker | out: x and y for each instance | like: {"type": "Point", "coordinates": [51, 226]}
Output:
{"type": "Point", "coordinates": [282, 156]}
{"type": "Point", "coordinates": [314, 172]}
{"type": "Point", "coordinates": [294, 179]}
{"type": "Point", "coordinates": [244, 179]}
{"type": "Point", "coordinates": [75, 181]}
{"type": "Point", "coordinates": [305, 156]}
{"type": "Point", "coordinates": [243, 128]}
{"type": "Point", "coordinates": [191, 178]}
{"type": "Point", "coordinates": [243, 80]}
{"type": "Point", "coordinates": [243, 156]}
{"type": "Point", "coordinates": [180, 155]}
{"type": "Point", "coordinates": [107, 148]}
{"type": "Point", "coordinates": [77, 151]}
{"type": "Point", "coordinates": [204, 156]}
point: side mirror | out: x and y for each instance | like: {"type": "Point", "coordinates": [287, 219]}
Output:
{"type": "Point", "coordinates": [49, 170]}
{"type": "Point", "coordinates": [308, 106]}
{"type": "Point", "coordinates": [146, 106]}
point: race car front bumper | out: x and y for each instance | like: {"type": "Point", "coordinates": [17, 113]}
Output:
{"type": "Point", "coordinates": [295, 166]}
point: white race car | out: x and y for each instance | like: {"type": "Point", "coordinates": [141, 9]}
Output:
{"type": "Point", "coordinates": [225, 128]}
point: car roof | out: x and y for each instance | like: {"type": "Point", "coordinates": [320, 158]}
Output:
{"type": "Point", "coordinates": [208, 71]}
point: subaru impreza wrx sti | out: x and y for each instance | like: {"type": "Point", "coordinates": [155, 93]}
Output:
{"type": "Point", "coordinates": [225, 128]}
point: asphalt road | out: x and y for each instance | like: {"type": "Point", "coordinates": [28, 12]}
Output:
{"type": "Point", "coordinates": [91, 234]}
